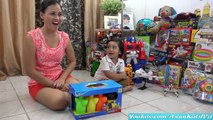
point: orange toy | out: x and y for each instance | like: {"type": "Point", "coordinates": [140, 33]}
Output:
{"type": "Point", "coordinates": [102, 100]}
{"type": "Point", "coordinates": [128, 70]}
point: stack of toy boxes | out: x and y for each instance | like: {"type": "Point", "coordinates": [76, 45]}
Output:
{"type": "Point", "coordinates": [89, 99]}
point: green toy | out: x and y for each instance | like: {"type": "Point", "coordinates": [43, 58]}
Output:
{"type": "Point", "coordinates": [81, 105]}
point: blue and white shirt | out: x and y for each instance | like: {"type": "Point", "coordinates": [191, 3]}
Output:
{"type": "Point", "coordinates": [107, 64]}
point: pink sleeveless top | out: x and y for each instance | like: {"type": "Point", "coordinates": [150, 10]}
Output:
{"type": "Point", "coordinates": [48, 59]}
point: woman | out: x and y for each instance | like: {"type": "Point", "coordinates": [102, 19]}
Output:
{"type": "Point", "coordinates": [43, 52]}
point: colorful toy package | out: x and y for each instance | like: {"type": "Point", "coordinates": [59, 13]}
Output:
{"type": "Point", "coordinates": [203, 52]}
{"type": "Point", "coordinates": [146, 42]}
{"type": "Point", "coordinates": [180, 43]}
{"type": "Point", "coordinates": [174, 73]}
{"type": "Point", "coordinates": [204, 89]}
{"type": "Point", "coordinates": [202, 35]}
{"type": "Point", "coordinates": [189, 81]}
{"type": "Point", "coordinates": [161, 42]}
{"type": "Point", "coordinates": [200, 66]}
{"type": "Point", "coordinates": [89, 99]}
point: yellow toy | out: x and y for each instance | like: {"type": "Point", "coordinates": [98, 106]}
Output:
{"type": "Point", "coordinates": [128, 70]}
{"type": "Point", "coordinates": [206, 10]}
{"type": "Point", "coordinates": [197, 12]}
{"type": "Point", "coordinates": [92, 101]}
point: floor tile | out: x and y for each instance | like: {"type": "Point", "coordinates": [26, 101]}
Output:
{"type": "Point", "coordinates": [207, 107]}
{"type": "Point", "coordinates": [10, 108]}
{"type": "Point", "coordinates": [171, 105]}
{"type": "Point", "coordinates": [20, 84]}
{"type": "Point", "coordinates": [17, 117]}
{"type": "Point", "coordinates": [48, 114]}
{"type": "Point", "coordinates": [151, 100]}
{"type": "Point", "coordinates": [31, 105]}
{"type": "Point", "coordinates": [128, 101]}
{"type": "Point", "coordinates": [145, 95]}
{"type": "Point", "coordinates": [198, 110]}
{"type": "Point", "coordinates": [187, 99]}
{"type": "Point", "coordinates": [82, 75]}
{"type": "Point", "coordinates": [7, 96]}
{"type": "Point", "coordinates": [6, 87]}
{"type": "Point", "coordinates": [142, 108]}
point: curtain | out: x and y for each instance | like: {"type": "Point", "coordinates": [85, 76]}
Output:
{"type": "Point", "coordinates": [16, 19]}
{"type": "Point", "coordinates": [73, 11]}
{"type": "Point", "coordinates": [93, 19]}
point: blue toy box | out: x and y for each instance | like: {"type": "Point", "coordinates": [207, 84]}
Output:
{"type": "Point", "coordinates": [89, 99]}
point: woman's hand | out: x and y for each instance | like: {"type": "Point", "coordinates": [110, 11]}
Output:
{"type": "Point", "coordinates": [59, 83]}
{"type": "Point", "coordinates": [104, 78]}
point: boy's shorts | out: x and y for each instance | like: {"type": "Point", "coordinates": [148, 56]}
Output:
{"type": "Point", "coordinates": [34, 89]}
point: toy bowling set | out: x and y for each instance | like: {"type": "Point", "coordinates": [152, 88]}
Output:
{"type": "Point", "coordinates": [89, 99]}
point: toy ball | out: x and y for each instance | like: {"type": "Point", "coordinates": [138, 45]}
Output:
{"type": "Point", "coordinates": [144, 27]}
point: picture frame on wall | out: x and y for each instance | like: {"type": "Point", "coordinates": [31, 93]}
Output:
{"type": "Point", "coordinates": [112, 22]}
{"type": "Point", "coordinates": [128, 20]}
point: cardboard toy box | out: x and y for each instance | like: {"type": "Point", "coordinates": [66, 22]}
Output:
{"type": "Point", "coordinates": [89, 99]}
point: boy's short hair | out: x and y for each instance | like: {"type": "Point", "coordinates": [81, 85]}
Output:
{"type": "Point", "coordinates": [120, 44]}
{"type": "Point", "coordinates": [126, 17]}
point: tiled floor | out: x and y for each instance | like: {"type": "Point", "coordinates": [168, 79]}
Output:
{"type": "Point", "coordinates": [16, 104]}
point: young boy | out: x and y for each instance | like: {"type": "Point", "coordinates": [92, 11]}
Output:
{"type": "Point", "coordinates": [112, 65]}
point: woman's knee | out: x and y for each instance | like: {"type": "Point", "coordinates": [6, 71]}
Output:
{"type": "Point", "coordinates": [59, 102]}
{"type": "Point", "coordinates": [55, 100]}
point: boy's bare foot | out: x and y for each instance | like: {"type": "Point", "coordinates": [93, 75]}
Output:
{"type": "Point", "coordinates": [127, 88]}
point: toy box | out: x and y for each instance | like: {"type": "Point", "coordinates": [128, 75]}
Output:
{"type": "Point", "coordinates": [91, 48]}
{"type": "Point", "coordinates": [200, 66]}
{"type": "Point", "coordinates": [179, 43]}
{"type": "Point", "coordinates": [180, 36]}
{"type": "Point", "coordinates": [189, 81]}
{"type": "Point", "coordinates": [202, 35]}
{"type": "Point", "coordinates": [146, 42]}
{"type": "Point", "coordinates": [173, 74]}
{"type": "Point", "coordinates": [204, 88]}
{"type": "Point", "coordinates": [161, 41]}
{"type": "Point", "coordinates": [89, 99]}
{"type": "Point", "coordinates": [203, 52]}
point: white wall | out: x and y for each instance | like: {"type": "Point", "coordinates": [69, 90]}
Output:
{"type": "Point", "coordinates": [149, 8]}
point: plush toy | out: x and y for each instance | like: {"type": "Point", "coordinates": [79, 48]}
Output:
{"type": "Point", "coordinates": [128, 70]}
{"type": "Point", "coordinates": [164, 17]}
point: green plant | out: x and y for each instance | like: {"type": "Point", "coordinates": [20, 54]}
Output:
{"type": "Point", "coordinates": [111, 7]}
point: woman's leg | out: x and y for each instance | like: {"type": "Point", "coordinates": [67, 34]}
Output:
{"type": "Point", "coordinates": [54, 99]}
{"type": "Point", "coordinates": [70, 80]}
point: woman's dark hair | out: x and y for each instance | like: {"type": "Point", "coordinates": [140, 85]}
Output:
{"type": "Point", "coordinates": [47, 3]}
{"type": "Point", "coordinates": [120, 45]}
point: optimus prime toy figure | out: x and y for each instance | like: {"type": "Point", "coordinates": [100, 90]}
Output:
{"type": "Point", "coordinates": [135, 52]}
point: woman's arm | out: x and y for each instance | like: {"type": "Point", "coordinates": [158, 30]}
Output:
{"type": "Point", "coordinates": [70, 54]}
{"type": "Point", "coordinates": [30, 65]}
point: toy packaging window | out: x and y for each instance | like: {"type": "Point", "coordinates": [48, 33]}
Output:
{"type": "Point", "coordinates": [180, 45]}
{"type": "Point", "coordinates": [89, 99]}
{"type": "Point", "coordinates": [161, 43]}
{"type": "Point", "coordinates": [180, 36]}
